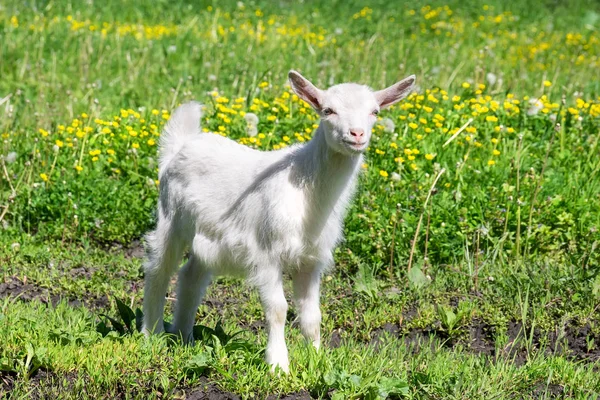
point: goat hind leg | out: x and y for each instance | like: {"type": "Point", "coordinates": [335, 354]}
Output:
{"type": "Point", "coordinates": [192, 282]}
{"type": "Point", "coordinates": [164, 255]}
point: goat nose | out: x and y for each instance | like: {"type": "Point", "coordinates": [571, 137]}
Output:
{"type": "Point", "coordinates": [356, 132]}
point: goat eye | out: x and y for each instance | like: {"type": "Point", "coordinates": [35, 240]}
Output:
{"type": "Point", "coordinates": [375, 112]}
{"type": "Point", "coordinates": [328, 111]}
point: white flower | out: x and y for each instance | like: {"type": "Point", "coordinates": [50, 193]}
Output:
{"type": "Point", "coordinates": [491, 79]}
{"type": "Point", "coordinates": [11, 157]}
{"type": "Point", "coordinates": [251, 119]}
{"type": "Point", "coordinates": [212, 77]}
{"type": "Point", "coordinates": [396, 177]}
{"type": "Point", "coordinates": [15, 246]}
{"type": "Point", "coordinates": [55, 148]}
{"type": "Point", "coordinates": [251, 130]}
{"type": "Point", "coordinates": [388, 125]}
{"type": "Point", "coordinates": [338, 31]}
{"type": "Point", "coordinates": [535, 106]}
{"type": "Point", "coordinates": [171, 49]}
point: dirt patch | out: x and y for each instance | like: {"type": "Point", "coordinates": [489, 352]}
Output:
{"type": "Point", "coordinates": [26, 290]}
{"type": "Point", "coordinates": [135, 249]}
{"type": "Point", "coordinates": [7, 382]}
{"type": "Point", "coordinates": [335, 340]}
{"type": "Point", "coordinates": [206, 391]}
{"type": "Point", "coordinates": [544, 391]}
{"type": "Point", "coordinates": [378, 335]}
{"type": "Point", "coordinates": [576, 342]}
{"type": "Point", "coordinates": [482, 338]}
{"type": "Point", "coordinates": [302, 395]}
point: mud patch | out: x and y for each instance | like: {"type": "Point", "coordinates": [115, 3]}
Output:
{"type": "Point", "coordinates": [25, 290]}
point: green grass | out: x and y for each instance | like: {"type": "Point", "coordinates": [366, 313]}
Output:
{"type": "Point", "coordinates": [498, 296]}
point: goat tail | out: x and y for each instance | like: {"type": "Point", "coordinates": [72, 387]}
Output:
{"type": "Point", "coordinates": [184, 122]}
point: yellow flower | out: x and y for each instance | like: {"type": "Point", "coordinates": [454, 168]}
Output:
{"type": "Point", "coordinates": [44, 177]}
{"type": "Point", "coordinates": [414, 166]}
{"type": "Point", "coordinates": [429, 156]}
{"type": "Point", "coordinates": [491, 118]}
{"type": "Point", "coordinates": [491, 162]}
{"type": "Point", "coordinates": [79, 168]}
{"type": "Point", "coordinates": [59, 143]}
{"type": "Point", "coordinates": [466, 85]}
{"type": "Point", "coordinates": [151, 142]}
{"type": "Point", "coordinates": [383, 173]}
{"type": "Point", "coordinates": [110, 152]}
{"type": "Point", "coordinates": [510, 130]}
{"type": "Point", "coordinates": [94, 153]}
{"type": "Point", "coordinates": [263, 84]}
{"type": "Point", "coordinates": [494, 140]}
{"type": "Point", "coordinates": [455, 99]}
{"type": "Point", "coordinates": [496, 152]}
{"type": "Point", "coordinates": [412, 125]}
{"type": "Point", "coordinates": [135, 145]}
{"type": "Point", "coordinates": [286, 138]}
{"type": "Point", "coordinates": [43, 132]}
{"type": "Point", "coordinates": [547, 83]}
{"type": "Point", "coordinates": [379, 151]}
{"type": "Point", "coordinates": [155, 112]}
{"type": "Point", "coordinates": [393, 145]}
{"type": "Point", "coordinates": [271, 118]}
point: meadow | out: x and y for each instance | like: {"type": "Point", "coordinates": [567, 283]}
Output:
{"type": "Point", "coordinates": [471, 261]}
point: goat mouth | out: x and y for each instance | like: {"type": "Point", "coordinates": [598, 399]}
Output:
{"type": "Point", "coordinates": [355, 145]}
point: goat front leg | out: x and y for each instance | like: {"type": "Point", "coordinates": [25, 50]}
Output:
{"type": "Point", "coordinates": [270, 287]}
{"type": "Point", "coordinates": [307, 283]}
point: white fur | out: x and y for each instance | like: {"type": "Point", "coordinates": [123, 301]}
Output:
{"type": "Point", "coordinates": [258, 214]}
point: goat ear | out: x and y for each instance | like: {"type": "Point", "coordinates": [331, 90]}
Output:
{"type": "Point", "coordinates": [396, 92]}
{"type": "Point", "coordinates": [306, 90]}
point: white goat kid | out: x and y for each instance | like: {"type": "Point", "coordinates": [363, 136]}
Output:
{"type": "Point", "coordinates": [258, 214]}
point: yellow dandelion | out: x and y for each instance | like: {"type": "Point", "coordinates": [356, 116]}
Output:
{"type": "Point", "coordinates": [547, 83]}
{"type": "Point", "coordinates": [429, 156]}
{"type": "Point", "coordinates": [383, 173]}
{"type": "Point", "coordinates": [44, 177]}
{"type": "Point", "coordinates": [491, 162]}
{"type": "Point", "coordinates": [496, 152]}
